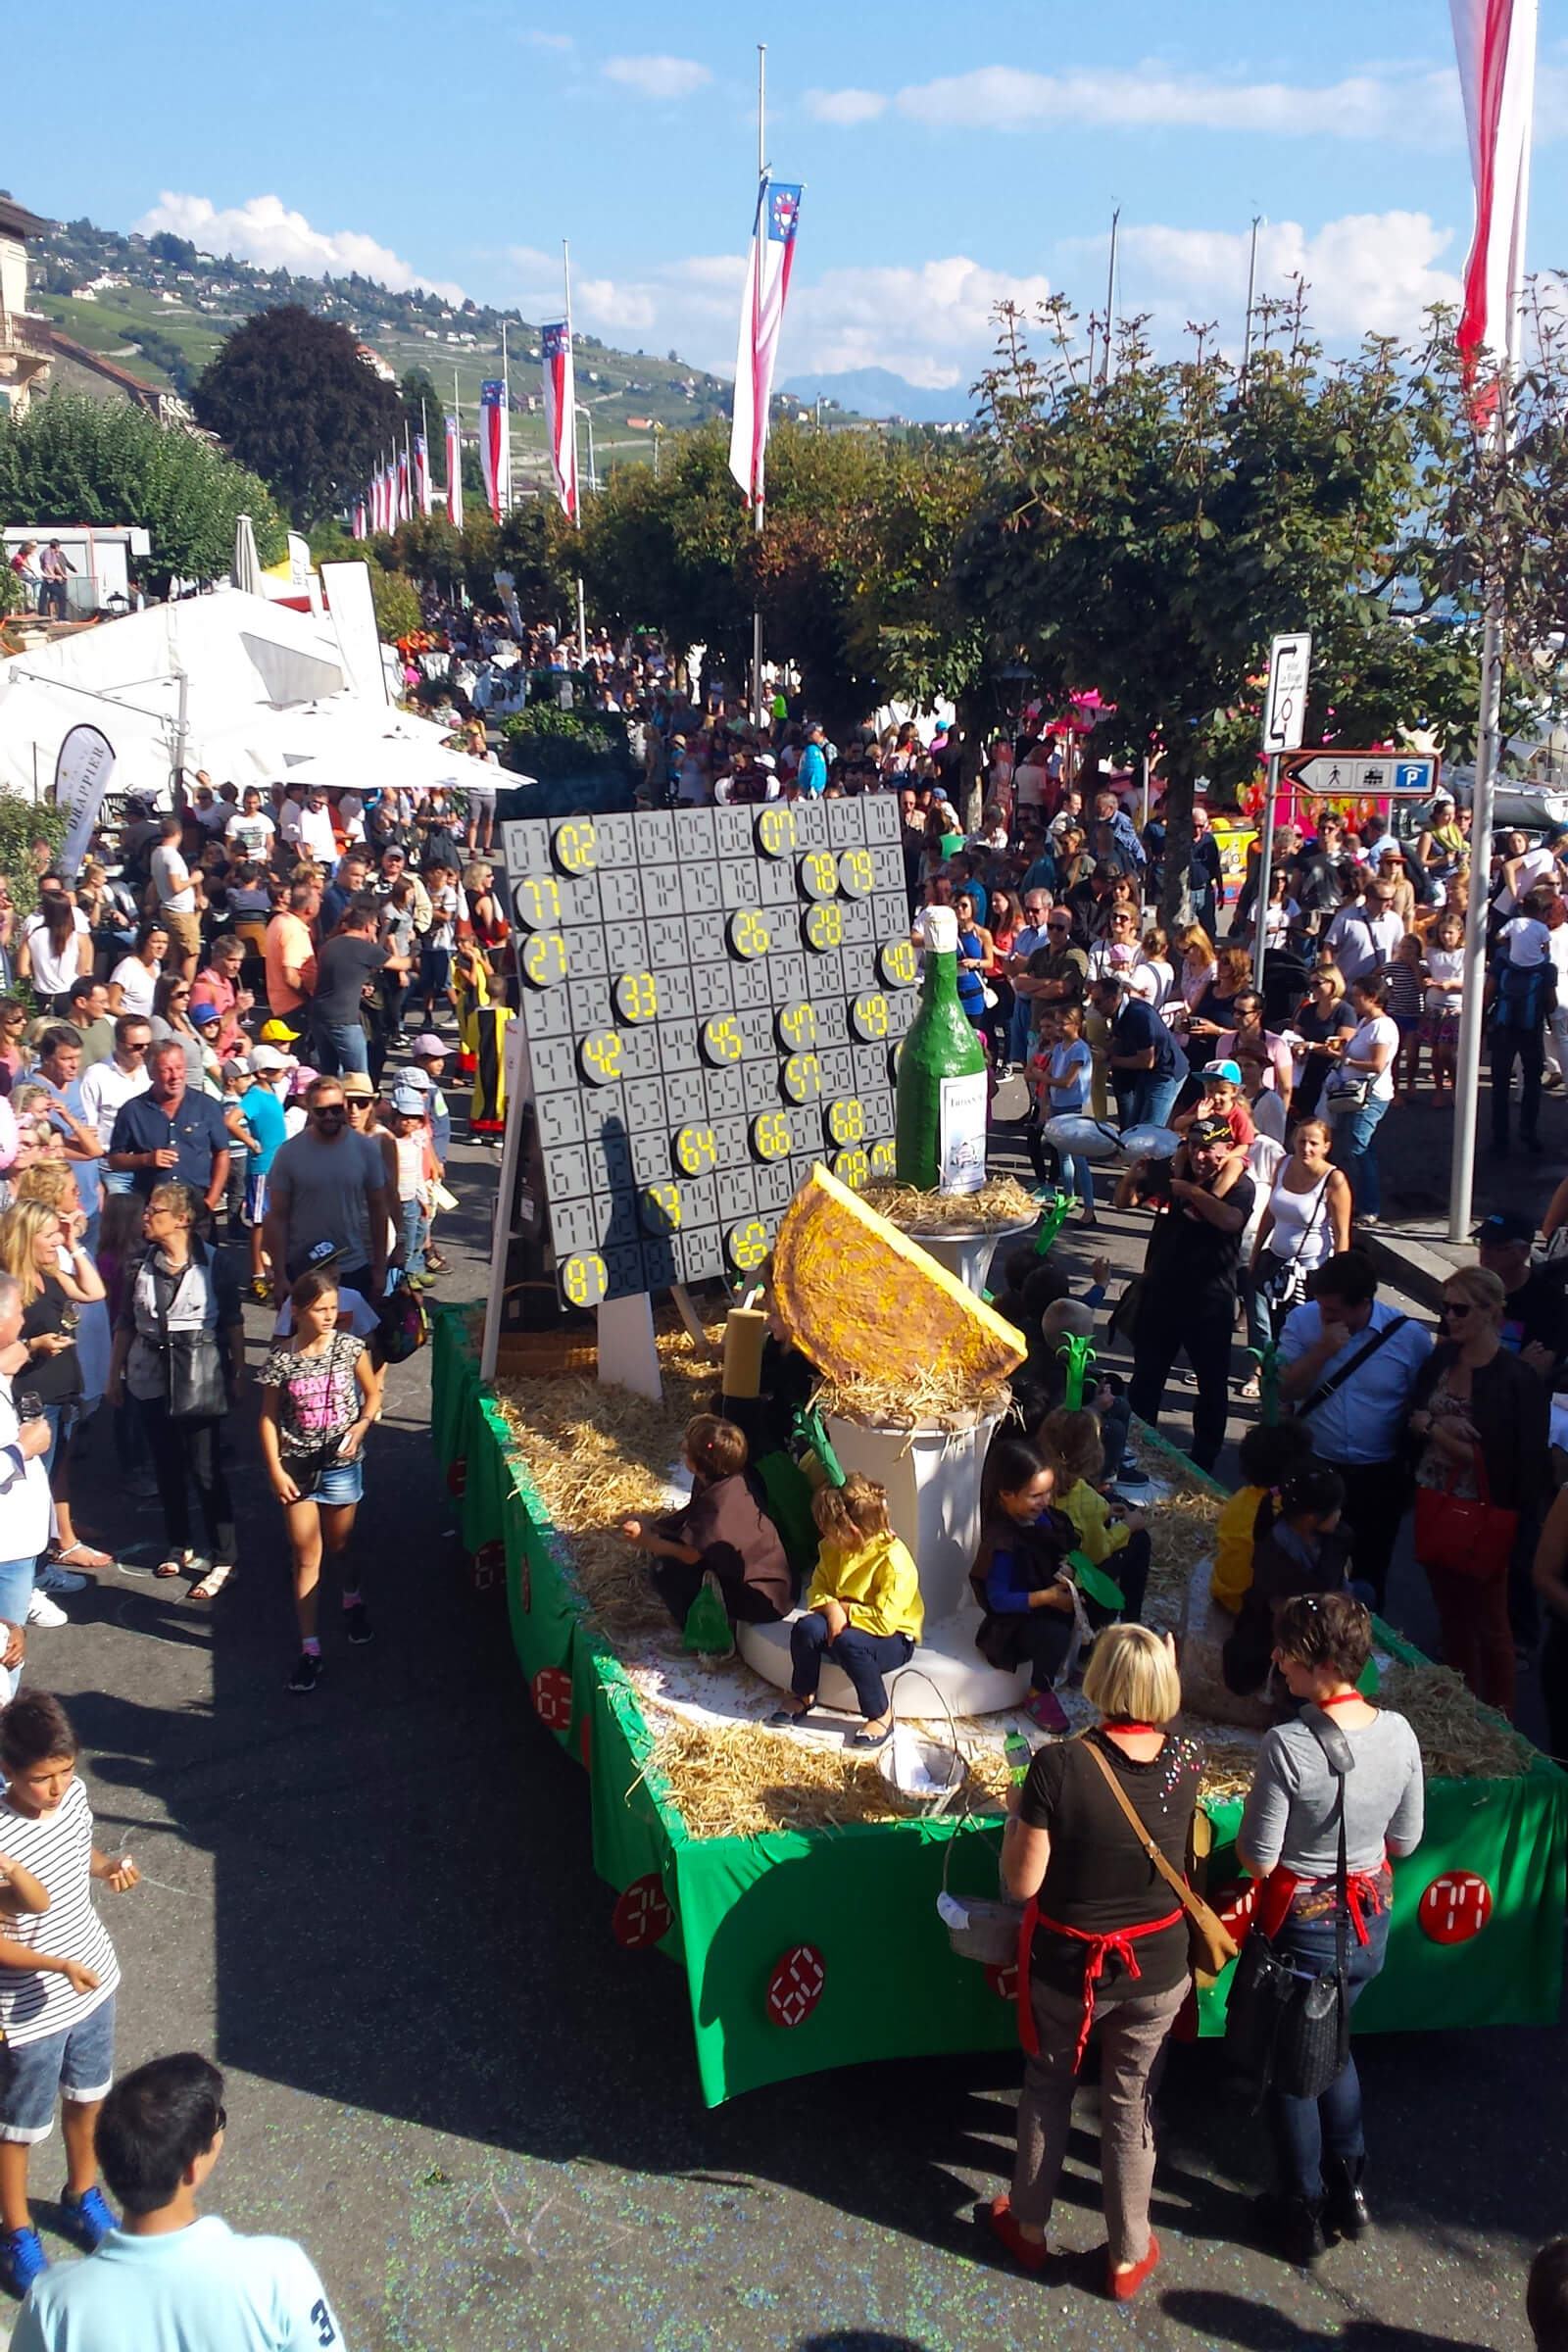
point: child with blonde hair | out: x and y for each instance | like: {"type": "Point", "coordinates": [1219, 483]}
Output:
{"type": "Point", "coordinates": [864, 1611]}
{"type": "Point", "coordinates": [1110, 1538]}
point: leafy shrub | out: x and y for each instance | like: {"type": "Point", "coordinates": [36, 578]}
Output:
{"type": "Point", "coordinates": [543, 740]}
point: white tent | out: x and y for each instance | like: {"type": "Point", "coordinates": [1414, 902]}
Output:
{"type": "Point", "coordinates": [232, 683]}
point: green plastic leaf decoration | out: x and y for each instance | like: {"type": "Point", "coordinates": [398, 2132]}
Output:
{"type": "Point", "coordinates": [1077, 1354]}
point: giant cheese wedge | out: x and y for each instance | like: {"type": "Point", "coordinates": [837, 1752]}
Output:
{"type": "Point", "coordinates": [861, 1299]}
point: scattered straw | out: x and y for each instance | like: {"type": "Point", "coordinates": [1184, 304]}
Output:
{"type": "Point", "coordinates": [997, 1204]}
{"type": "Point", "coordinates": [740, 1781]}
{"type": "Point", "coordinates": [1230, 1766]}
{"type": "Point", "coordinates": [1459, 1741]}
{"type": "Point", "coordinates": [1181, 1532]}
{"type": "Point", "coordinates": [601, 1455]}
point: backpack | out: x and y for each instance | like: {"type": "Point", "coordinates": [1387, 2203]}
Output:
{"type": "Point", "coordinates": [405, 1325]}
{"type": "Point", "coordinates": [1526, 994]}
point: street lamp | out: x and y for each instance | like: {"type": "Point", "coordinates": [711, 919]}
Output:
{"type": "Point", "coordinates": [593, 472]}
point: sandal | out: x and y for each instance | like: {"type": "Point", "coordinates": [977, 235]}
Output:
{"type": "Point", "coordinates": [178, 1563]}
{"type": "Point", "coordinates": [81, 1556]}
{"type": "Point", "coordinates": [212, 1583]}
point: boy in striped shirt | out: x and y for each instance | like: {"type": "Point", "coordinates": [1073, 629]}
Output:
{"type": "Point", "coordinates": [58, 1975]}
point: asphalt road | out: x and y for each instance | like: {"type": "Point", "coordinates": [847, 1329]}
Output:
{"type": "Point", "coordinates": [376, 1908]}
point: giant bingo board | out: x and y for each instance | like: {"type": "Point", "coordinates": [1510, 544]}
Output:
{"type": "Point", "coordinates": [711, 999]}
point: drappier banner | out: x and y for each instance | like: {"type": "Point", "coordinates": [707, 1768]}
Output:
{"type": "Point", "coordinates": [83, 769]}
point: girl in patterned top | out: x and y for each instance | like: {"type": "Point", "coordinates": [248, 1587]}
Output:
{"type": "Point", "coordinates": [320, 1394]}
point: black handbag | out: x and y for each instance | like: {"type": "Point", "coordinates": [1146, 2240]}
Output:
{"type": "Point", "coordinates": [1290, 2031]}
{"type": "Point", "coordinates": [193, 1367]}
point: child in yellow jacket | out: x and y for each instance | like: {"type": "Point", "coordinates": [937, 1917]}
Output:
{"type": "Point", "coordinates": [1265, 1455]}
{"type": "Point", "coordinates": [863, 1611]}
{"type": "Point", "coordinates": [1117, 1542]}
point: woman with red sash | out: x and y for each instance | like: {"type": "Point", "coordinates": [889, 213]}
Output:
{"type": "Point", "coordinates": [1289, 1840]}
{"type": "Point", "coordinates": [1105, 1942]}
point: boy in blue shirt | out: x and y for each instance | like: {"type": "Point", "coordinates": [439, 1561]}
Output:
{"type": "Point", "coordinates": [263, 1118]}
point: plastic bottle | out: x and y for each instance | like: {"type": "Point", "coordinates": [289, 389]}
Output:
{"type": "Point", "coordinates": [939, 1133]}
{"type": "Point", "coordinates": [1018, 1752]}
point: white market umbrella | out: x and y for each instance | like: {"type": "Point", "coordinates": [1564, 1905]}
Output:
{"type": "Point", "coordinates": [246, 572]}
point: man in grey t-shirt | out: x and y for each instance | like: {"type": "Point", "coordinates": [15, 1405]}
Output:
{"type": "Point", "coordinates": [328, 1185]}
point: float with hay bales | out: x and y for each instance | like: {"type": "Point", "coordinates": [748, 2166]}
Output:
{"type": "Point", "coordinates": [788, 1876]}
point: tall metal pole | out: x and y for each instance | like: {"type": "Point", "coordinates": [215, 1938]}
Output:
{"type": "Point", "coordinates": [1472, 1018]}
{"type": "Point", "coordinates": [1265, 870]}
{"type": "Point", "coordinates": [1111, 295]}
{"type": "Point", "coordinates": [762, 170]}
{"type": "Point", "coordinates": [1252, 282]}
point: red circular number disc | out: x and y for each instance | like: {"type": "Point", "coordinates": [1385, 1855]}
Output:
{"type": "Point", "coordinates": [1455, 1907]}
{"type": "Point", "coordinates": [552, 1697]}
{"type": "Point", "coordinates": [1004, 1981]}
{"type": "Point", "coordinates": [643, 1915]}
{"type": "Point", "coordinates": [796, 1986]}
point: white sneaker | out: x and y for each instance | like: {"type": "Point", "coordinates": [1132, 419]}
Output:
{"type": "Point", "coordinates": [41, 1610]}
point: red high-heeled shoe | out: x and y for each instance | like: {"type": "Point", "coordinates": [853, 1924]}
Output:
{"type": "Point", "coordinates": [1124, 2284]}
{"type": "Point", "coordinates": [1024, 2250]}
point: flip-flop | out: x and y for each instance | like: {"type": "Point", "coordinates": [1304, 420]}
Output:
{"type": "Point", "coordinates": [82, 1555]}
{"type": "Point", "coordinates": [213, 1582]}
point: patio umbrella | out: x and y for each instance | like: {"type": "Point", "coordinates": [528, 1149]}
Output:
{"type": "Point", "coordinates": [246, 572]}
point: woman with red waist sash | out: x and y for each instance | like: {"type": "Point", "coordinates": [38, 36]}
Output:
{"type": "Point", "coordinates": [1105, 1942]}
{"type": "Point", "coordinates": [1289, 1840]}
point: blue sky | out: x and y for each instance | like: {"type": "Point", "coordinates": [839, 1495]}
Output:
{"type": "Point", "coordinates": [952, 156]}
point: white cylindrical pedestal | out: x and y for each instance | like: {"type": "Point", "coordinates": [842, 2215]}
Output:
{"type": "Point", "coordinates": [932, 1478]}
{"type": "Point", "coordinates": [968, 1254]}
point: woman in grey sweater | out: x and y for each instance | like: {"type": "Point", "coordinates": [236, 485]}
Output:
{"type": "Point", "coordinates": [1290, 1837]}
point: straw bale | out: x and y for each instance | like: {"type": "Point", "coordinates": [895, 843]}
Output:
{"type": "Point", "coordinates": [1459, 1739]}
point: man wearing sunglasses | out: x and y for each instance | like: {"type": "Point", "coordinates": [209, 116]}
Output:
{"type": "Point", "coordinates": [110, 1085]}
{"type": "Point", "coordinates": [328, 1184]}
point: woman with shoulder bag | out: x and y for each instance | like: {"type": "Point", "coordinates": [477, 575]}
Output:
{"type": "Point", "coordinates": [1307, 1221]}
{"type": "Point", "coordinates": [1482, 1420]}
{"type": "Point", "coordinates": [1361, 1090]}
{"type": "Point", "coordinates": [1107, 1938]}
{"type": "Point", "coordinates": [179, 1348]}
{"type": "Point", "coordinates": [1289, 1842]}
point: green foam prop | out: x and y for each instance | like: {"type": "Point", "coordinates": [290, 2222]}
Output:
{"type": "Point", "coordinates": [1092, 1583]}
{"type": "Point", "coordinates": [1055, 1211]}
{"type": "Point", "coordinates": [1077, 1354]}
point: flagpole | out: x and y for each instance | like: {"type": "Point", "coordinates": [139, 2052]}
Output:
{"type": "Point", "coordinates": [761, 167]}
{"type": "Point", "coordinates": [1472, 1017]}
{"type": "Point", "coordinates": [576, 470]}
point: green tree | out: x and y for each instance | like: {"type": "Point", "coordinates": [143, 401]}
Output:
{"type": "Point", "coordinates": [71, 457]}
{"type": "Point", "coordinates": [292, 398]}
{"type": "Point", "coordinates": [1147, 534]}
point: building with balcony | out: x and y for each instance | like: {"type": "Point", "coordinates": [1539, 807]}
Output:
{"type": "Point", "coordinates": [26, 343]}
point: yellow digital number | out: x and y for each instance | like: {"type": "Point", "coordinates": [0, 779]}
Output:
{"type": "Point", "coordinates": [797, 1024]}
{"type": "Point", "coordinates": [577, 845]}
{"type": "Point", "coordinates": [585, 1279]}
{"type": "Point", "coordinates": [770, 1136]}
{"type": "Point", "coordinates": [819, 874]}
{"type": "Point", "coordinates": [852, 1169]}
{"type": "Point", "coordinates": [749, 935]}
{"type": "Point", "coordinates": [637, 997]}
{"type": "Point", "coordinates": [803, 1078]}
{"type": "Point", "coordinates": [845, 1120]}
{"type": "Point", "coordinates": [543, 959]}
{"type": "Point", "coordinates": [775, 832]}
{"type": "Point", "coordinates": [897, 960]}
{"type": "Point", "coordinates": [600, 1056]}
{"type": "Point", "coordinates": [747, 1244]}
{"type": "Point", "coordinates": [661, 1208]}
{"type": "Point", "coordinates": [696, 1150]}
{"type": "Point", "coordinates": [857, 873]}
{"type": "Point", "coordinates": [868, 1016]}
{"type": "Point", "coordinates": [537, 902]}
{"type": "Point", "coordinates": [884, 1158]}
{"type": "Point", "coordinates": [824, 926]}
{"type": "Point", "coordinates": [721, 1040]}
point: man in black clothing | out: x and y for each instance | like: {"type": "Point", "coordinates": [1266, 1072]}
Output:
{"type": "Point", "coordinates": [1534, 1319]}
{"type": "Point", "coordinates": [1188, 1299]}
{"type": "Point", "coordinates": [345, 966]}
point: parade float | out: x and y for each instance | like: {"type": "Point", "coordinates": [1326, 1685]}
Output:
{"type": "Point", "coordinates": [794, 1882]}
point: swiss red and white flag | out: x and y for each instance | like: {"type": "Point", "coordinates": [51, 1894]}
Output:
{"type": "Point", "coordinates": [495, 445]}
{"type": "Point", "coordinates": [421, 473]}
{"type": "Point", "coordinates": [1496, 40]}
{"type": "Point", "coordinates": [560, 413]}
{"type": "Point", "coordinates": [454, 474]}
{"type": "Point", "coordinates": [768, 285]}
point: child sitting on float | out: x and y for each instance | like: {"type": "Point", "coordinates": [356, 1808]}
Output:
{"type": "Point", "coordinates": [1109, 1537]}
{"type": "Point", "coordinates": [1020, 1575]}
{"type": "Point", "coordinates": [1302, 1547]}
{"type": "Point", "coordinates": [724, 1533]}
{"type": "Point", "coordinates": [863, 1611]}
{"type": "Point", "coordinates": [1268, 1453]}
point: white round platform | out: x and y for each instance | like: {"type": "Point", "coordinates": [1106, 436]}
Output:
{"type": "Point", "coordinates": [946, 1656]}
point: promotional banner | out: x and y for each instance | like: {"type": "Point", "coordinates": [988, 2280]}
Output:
{"type": "Point", "coordinates": [495, 445]}
{"type": "Point", "coordinates": [421, 473]}
{"type": "Point", "coordinates": [768, 285]}
{"type": "Point", "coordinates": [454, 473]}
{"type": "Point", "coordinates": [405, 507]}
{"type": "Point", "coordinates": [352, 607]}
{"type": "Point", "coordinates": [83, 769]}
{"type": "Point", "coordinates": [560, 413]}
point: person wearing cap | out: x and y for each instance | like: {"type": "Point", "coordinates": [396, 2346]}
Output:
{"type": "Point", "coordinates": [1221, 1099]}
{"type": "Point", "coordinates": [430, 1057]}
{"type": "Point", "coordinates": [1534, 1319]}
{"type": "Point", "coordinates": [266, 1131]}
{"type": "Point", "coordinates": [411, 1143]}
{"type": "Point", "coordinates": [1191, 1274]}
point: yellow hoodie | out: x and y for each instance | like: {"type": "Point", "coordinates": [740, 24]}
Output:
{"type": "Point", "coordinates": [1232, 1572]}
{"type": "Point", "coordinates": [877, 1585]}
{"type": "Point", "coordinates": [1099, 1535]}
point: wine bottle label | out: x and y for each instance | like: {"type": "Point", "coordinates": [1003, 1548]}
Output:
{"type": "Point", "coordinates": [962, 1167]}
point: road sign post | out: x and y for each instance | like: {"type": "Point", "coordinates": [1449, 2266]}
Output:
{"type": "Point", "coordinates": [1290, 661]}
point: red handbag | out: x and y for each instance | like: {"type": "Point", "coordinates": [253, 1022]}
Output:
{"type": "Point", "coordinates": [1468, 1536]}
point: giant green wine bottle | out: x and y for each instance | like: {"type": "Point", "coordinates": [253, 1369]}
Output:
{"type": "Point", "coordinates": [941, 1130]}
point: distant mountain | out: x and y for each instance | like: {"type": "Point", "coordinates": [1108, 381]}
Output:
{"type": "Point", "coordinates": [878, 392]}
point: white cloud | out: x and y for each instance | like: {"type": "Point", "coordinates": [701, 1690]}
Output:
{"type": "Point", "coordinates": [1366, 274]}
{"type": "Point", "coordinates": [265, 231]}
{"type": "Point", "coordinates": [845, 107]}
{"type": "Point", "coordinates": [659, 77]}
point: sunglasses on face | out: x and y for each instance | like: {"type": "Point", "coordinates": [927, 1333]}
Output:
{"type": "Point", "coordinates": [1457, 1307]}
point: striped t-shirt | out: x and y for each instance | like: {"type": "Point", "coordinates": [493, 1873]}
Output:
{"type": "Point", "coordinates": [57, 1847]}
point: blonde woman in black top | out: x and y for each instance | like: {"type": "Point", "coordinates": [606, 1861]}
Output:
{"type": "Point", "coordinates": [1109, 1947]}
